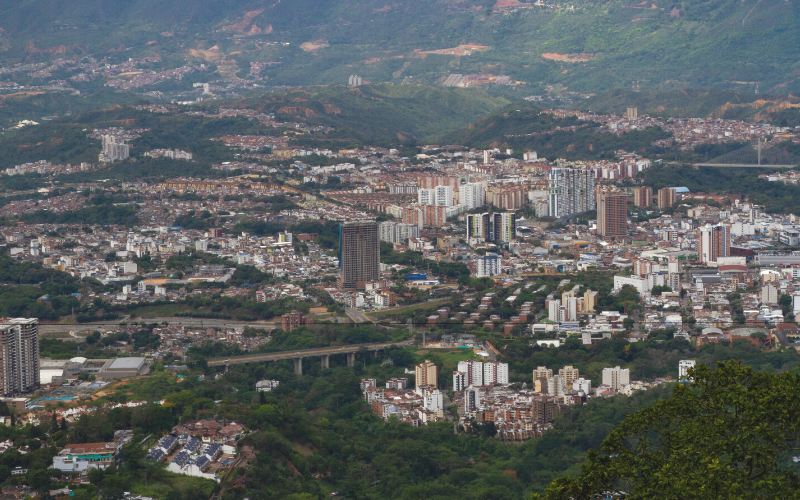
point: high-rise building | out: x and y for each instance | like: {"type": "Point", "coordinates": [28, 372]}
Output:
{"type": "Point", "coordinates": [359, 253]}
{"type": "Point", "coordinates": [426, 196]}
{"type": "Point", "coordinates": [556, 386]}
{"type": "Point", "coordinates": [495, 373]}
{"type": "Point", "coordinates": [444, 196]}
{"type": "Point", "coordinates": [590, 301]}
{"type": "Point", "coordinates": [715, 242]}
{"type": "Point", "coordinates": [473, 370]}
{"type": "Point", "coordinates": [612, 214]}
{"type": "Point", "coordinates": [504, 226]}
{"type": "Point", "coordinates": [666, 198]}
{"type": "Point", "coordinates": [113, 149]}
{"type": "Point", "coordinates": [397, 232]}
{"type": "Point", "coordinates": [583, 385]}
{"type": "Point", "coordinates": [426, 373]}
{"type": "Point", "coordinates": [459, 381]}
{"type": "Point", "coordinates": [769, 294]}
{"type": "Point", "coordinates": [542, 374]}
{"type": "Point", "coordinates": [471, 195]}
{"type": "Point", "coordinates": [632, 113]}
{"type": "Point", "coordinates": [684, 366]}
{"type": "Point", "coordinates": [643, 196]}
{"type": "Point", "coordinates": [19, 356]}
{"type": "Point", "coordinates": [571, 192]}
{"type": "Point", "coordinates": [569, 374]}
{"type": "Point", "coordinates": [544, 409]}
{"type": "Point", "coordinates": [478, 226]}
{"type": "Point", "coordinates": [616, 377]}
{"type": "Point", "coordinates": [488, 265]}
{"type": "Point", "coordinates": [472, 399]}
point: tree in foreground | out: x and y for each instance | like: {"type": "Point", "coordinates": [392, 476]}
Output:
{"type": "Point", "coordinates": [731, 434]}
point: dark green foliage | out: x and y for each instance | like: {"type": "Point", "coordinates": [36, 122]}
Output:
{"type": "Point", "coordinates": [646, 360]}
{"type": "Point", "coordinates": [776, 197]}
{"type": "Point", "coordinates": [99, 209]}
{"type": "Point", "coordinates": [191, 220]}
{"type": "Point", "coordinates": [730, 434]}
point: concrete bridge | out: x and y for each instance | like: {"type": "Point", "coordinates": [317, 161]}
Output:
{"type": "Point", "coordinates": [324, 353]}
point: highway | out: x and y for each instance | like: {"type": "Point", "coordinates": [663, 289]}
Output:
{"type": "Point", "coordinates": [304, 353]}
{"type": "Point", "coordinates": [172, 320]}
{"type": "Point", "coordinates": [357, 316]}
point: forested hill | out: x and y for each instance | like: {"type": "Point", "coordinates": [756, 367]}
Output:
{"type": "Point", "coordinates": [588, 46]}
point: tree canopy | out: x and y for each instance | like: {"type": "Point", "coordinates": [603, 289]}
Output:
{"type": "Point", "coordinates": [729, 434]}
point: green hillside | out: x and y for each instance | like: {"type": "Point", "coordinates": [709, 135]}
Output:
{"type": "Point", "coordinates": [694, 103]}
{"type": "Point", "coordinates": [590, 46]}
{"type": "Point", "coordinates": [380, 113]}
{"type": "Point", "coordinates": [569, 138]}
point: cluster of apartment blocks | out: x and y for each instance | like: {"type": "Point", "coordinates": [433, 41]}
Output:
{"type": "Point", "coordinates": [570, 306]}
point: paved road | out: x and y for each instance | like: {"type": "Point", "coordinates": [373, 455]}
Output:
{"type": "Point", "coordinates": [357, 316]}
{"type": "Point", "coordinates": [305, 353]}
{"type": "Point", "coordinates": [172, 320]}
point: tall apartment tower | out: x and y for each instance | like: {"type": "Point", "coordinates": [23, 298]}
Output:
{"type": "Point", "coordinates": [359, 253]}
{"type": "Point", "coordinates": [459, 381]}
{"type": "Point", "coordinates": [569, 374]}
{"type": "Point", "coordinates": [643, 196]}
{"type": "Point", "coordinates": [113, 150]}
{"type": "Point", "coordinates": [478, 226]}
{"type": "Point", "coordinates": [715, 242]}
{"type": "Point", "coordinates": [632, 113]}
{"type": "Point", "coordinates": [471, 195]}
{"type": "Point", "coordinates": [444, 196]}
{"type": "Point", "coordinates": [426, 196]}
{"type": "Point", "coordinates": [542, 374]}
{"type": "Point", "coordinates": [472, 399]}
{"type": "Point", "coordinates": [612, 214]}
{"type": "Point", "coordinates": [473, 371]}
{"type": "Point", "coordinates": [666, 198]}
{"type": "Point", "coordinates": [616, 377]}
{"type": "Point", "coordinates": [495, 373]}
{"type": "Point", "coordinates": [504, 226]}
{"type": "Point", "coordinates": [571, 192]}
{"type": "Point", "coordinates": [19, 356]}
{"type": "Point", "coordinates": [426, 373]}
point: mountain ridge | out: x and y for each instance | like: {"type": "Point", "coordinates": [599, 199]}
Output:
{"type": "Point", "coordinates": [720, 43]}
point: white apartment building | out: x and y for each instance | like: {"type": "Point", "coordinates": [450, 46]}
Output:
{"type": "Point", "coordinates": [472, 399]}
{"type": "Point", "coordinates": [444, 196]}
{"type": "Point", "coordinates": [582, 385]}
{"type": "Point", "coordinates": [397, 232]}
{"type": "Point", "coordinates": [426, 197]}
{"type": "Point", "coordinates": [616, 377]}
{"type": "Point", "coordinates": [488, 265]}
{"type": "Point", "coordinates": [556, 386]}
{"type": "Point", "coordinates": [459, 381]}
{"type": "Point", "coordinates": [684, 366]}
{"type": "Point", "coordinates": [433, 401]}
{"type": "Point", "coordinates": [471, 195]}
{"type": "Point", "coordinates": [495, 373]}
{"type": "Point", "coordinates": [473, 371]}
